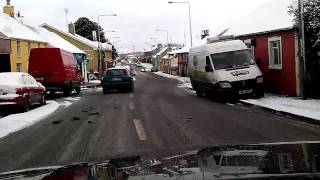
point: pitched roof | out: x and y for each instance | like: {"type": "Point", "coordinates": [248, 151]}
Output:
{"type": "Point", "coordinates": [56, 41]}
{"type": "Point", "coordinates": [270, 16]}
{"type": "Point", "coordinates": [92, 44]}
{"type": "Point", "coordinates": [12, 28]}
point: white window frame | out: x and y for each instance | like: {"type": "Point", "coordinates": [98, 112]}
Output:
{"type": "Point", "coordinates": [18, 49]}
{"type": "Point", "coordinates": [271, 61]}
{"type": "Point", "coordinates": [19, 67]}
{"type": "Point", "coordinates": [249, 41]}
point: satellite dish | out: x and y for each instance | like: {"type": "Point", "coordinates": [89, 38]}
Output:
{"type": "Point", "coordinates": [222, 32]}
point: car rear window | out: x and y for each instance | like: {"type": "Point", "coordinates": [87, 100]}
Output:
{"type": "Point", "coordinates": [116, 72]}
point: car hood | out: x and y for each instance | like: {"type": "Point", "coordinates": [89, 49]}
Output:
{"type": "Point", "coordinates": [250, 161]}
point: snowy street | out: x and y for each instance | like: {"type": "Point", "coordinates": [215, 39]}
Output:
{"type": "Point", "coordinates": [162, 113]}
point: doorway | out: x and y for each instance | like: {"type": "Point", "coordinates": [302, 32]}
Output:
{"type": "Point", "coordinates": [5, 65]}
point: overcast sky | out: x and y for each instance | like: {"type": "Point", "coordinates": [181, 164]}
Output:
{"type": "Point", "coordinates": [137, 19]}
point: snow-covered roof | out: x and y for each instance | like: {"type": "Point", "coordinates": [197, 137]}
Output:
{"type": "Point", "coordinates": [12, 28]}
{"type": "Point", "coordinates": [270, 16]}
{"type": "Point", "coordinates": [162, 51]}
{"type": "Point", "coordinates": [56, 41]}
{"type": "Point", "coordinates": [152, 49]}
{"type": "Point", "coordinates": [11, 78]}
{"type": "Point", "coordinates": [92, 44]}
{"type": "Point", "coordinates": [185, 49]}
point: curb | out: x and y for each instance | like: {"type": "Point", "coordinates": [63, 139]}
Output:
{"type": "Point", "coordinates": [301, 118]}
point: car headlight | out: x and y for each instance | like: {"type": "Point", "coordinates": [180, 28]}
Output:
{"type": "Point", "coordinates": [225, 84]}
{"type": "Point", "coordinates": [260, 79]}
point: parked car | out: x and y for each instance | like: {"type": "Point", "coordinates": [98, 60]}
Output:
{"type": "Point", "coordinates": [117, 79]}
{"type": "Point", "coordinates": [56, 69]}
{"type": "Point", "coordinates": [20, 89]}
{"type": "Point", "coordinates": [224, 68]}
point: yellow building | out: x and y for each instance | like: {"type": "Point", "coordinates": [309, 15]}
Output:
{"type": "Point", "coordinates": [86, 45]}
{"type": "Point", "coordinates": [16, 41]}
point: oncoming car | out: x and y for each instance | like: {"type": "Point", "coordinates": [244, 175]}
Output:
{"type": "Point", "coordinates": [118, 78]}
{"type": "Point", "coordinates": [20, 89]}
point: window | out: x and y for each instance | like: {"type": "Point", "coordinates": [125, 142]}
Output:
{"type": "Point", "coordinates": [19, 67]}
{"type": "Point", "coordinates": [285, 162]}
{"type": "Point", "coordinates": [18, 49]}
{"type": "Point", "coordinates": [29, 47]}
{"type": "Point", "coordinates": [275, 53]}
{"type": "Point", "coordinates": [38, 45]}
{"type": "Point", "coordinates": [248, 43]}
{"type": "Point", "coordinates": [231, 59]}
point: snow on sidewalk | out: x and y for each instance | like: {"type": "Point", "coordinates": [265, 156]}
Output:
{"type": "Point", "coordinates": [306, 108]}
{"type": "Point", "coordinates": [16, 122]}
{"type": "Point", "coordinates": [183, 81]}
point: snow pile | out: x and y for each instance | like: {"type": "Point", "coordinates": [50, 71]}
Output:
{"type": "Point", "coordinates": [183, 81]}
{"type": "Point", "coordinates": [147, 65]}
{"type": "Point", "coordinates": [306, 108]}
{"type": "Point", "coordinates": [16, 122]}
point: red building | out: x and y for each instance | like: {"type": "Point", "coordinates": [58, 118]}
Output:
{"type": "Point", "coordinates": [276, 52]}
{"type": "Point", "coordinates": [183, 61]}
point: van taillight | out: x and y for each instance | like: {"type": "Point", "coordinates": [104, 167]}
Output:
{"type": "Point", "coordinates": [125, 72]}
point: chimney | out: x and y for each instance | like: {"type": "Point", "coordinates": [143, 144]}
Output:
{"type": "Point", "coordinates": [8, 9]}
{"type": "Point", "coordinates": [72, 28]}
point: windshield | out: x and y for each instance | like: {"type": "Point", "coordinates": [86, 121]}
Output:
{"type": "Point", "coordinates": [232, 59]}
{"type": "Point", "coordinates": [143, 78]}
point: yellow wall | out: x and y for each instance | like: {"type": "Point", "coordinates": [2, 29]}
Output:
{"type": "Point", "coordinates": [24, 55]}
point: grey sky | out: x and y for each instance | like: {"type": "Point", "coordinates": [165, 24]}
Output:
{"type": "Point", "coordinates": [137, 19]}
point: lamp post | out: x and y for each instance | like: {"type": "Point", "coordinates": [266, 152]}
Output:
{"type": "Point", "coordinates": [190, 26]}
{"type": "Point", "coordinates": [163, 30]}
{"type": "Point", "coordinates": [99, 43]}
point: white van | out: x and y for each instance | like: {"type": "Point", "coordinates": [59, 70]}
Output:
{"type": "Point", "coordinates": [224, 69]}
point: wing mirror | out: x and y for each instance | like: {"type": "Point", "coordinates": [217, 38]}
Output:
{"type": "Point", "coordinates": [208, 68]}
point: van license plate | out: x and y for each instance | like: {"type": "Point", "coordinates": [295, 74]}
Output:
{"type": "Point", "coordinates": [247, 91]}
{"type": "Point", "coordinates": [116, 79]}
{"type": "Point", "coordinates": [39, 78]}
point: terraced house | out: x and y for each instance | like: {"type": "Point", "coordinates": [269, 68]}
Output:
{"type": "Point", "coordinates": [91, 48]}
{"type": "Point", "coordinates": [16, 41]}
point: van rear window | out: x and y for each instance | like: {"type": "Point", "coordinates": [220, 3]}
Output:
{"type": "Point", "coordinates": [116, 72]}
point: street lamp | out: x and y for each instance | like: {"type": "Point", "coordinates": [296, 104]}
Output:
{"type": "Point", "coordinates": [186, 2]}
{"type": "Point", "coordinates": [163, 30]}
{"type": "Point", "coordinates": [99, 42]}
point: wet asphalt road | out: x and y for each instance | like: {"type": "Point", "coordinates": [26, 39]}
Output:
{"type": "Point", "coordinates": [157, 119]}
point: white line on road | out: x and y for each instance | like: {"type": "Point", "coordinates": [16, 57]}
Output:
{"type": "Point", "coordinates": [140, 131]}
{"type": "Point", "coordinates": [131, 106]}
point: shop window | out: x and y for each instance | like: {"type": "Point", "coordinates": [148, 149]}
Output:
{"type": "Point", "coordinates": [275, 53]}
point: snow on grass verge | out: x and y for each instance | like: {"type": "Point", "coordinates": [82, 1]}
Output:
{"type": "Point", "coordinates": [183, 81]}
{"type": "Point", "coordinates": [16, 122]}
{"type": "Point", "coordinates": [147, 65]}
{"type": "Point", "coordinates": [306, 108]}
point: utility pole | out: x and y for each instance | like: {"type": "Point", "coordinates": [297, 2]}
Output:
{"type": "Point", "coordinates": [302, 64]}
{"type": "Point", "coordinates": [66, 10]}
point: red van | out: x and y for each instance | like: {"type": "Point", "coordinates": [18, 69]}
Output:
{"type": "Point", "coordinates": [56, 69]}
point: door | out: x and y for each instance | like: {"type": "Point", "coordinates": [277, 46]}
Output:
{"type": "Point", "coordinates": [5, 65]}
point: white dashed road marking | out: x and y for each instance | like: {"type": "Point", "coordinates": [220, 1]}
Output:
{"type": "Point", "coordinates": [140, 131]}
